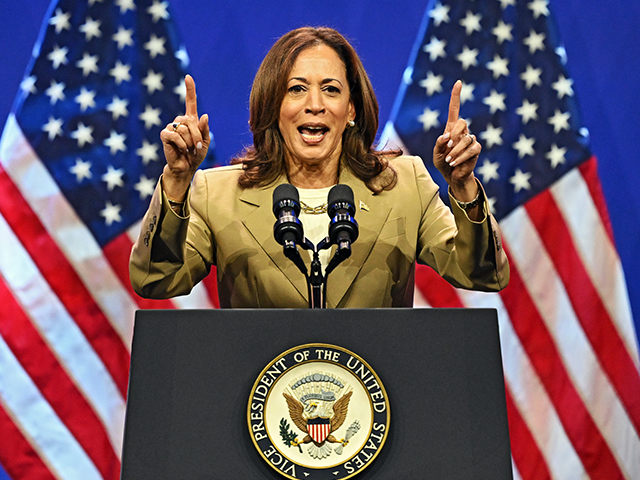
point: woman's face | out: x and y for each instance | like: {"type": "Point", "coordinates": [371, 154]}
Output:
{"type": "Point", "coordinates": [316, 108]}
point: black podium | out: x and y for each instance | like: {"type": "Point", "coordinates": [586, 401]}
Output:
{"type": "Point", "coordinates": [192, 372]}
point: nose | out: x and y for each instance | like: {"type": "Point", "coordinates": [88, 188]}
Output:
{"type": "Point", "coordinates": [315, 104]}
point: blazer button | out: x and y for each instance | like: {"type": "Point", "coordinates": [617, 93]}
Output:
{"type": "Point", "coordinates": [146, 238]}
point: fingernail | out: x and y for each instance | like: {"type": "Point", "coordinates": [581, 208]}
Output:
{"type": "Point", "coordinates": [452, 164]}
{"type": "Point", "coordinates": [450, 144]}
{"type": "Point", "coordinates": [448, 159]}
{"type": "Point", "coordinates": [446, 135]}
{"type": "Point", "coordinates": [199, 145]}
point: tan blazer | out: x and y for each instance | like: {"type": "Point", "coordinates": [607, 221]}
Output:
{"type": "Point", "coordinates": [232, 228]}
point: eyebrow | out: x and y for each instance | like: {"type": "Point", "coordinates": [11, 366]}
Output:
{"type": "Point", "coordinates": [324, 81]}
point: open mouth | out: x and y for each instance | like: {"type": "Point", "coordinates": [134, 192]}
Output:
{"type": "Point", "coordinates": [312, 133]}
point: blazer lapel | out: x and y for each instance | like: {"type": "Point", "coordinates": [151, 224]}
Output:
{"type": "Point", "coordinates": [371, 215]}
{"type": "Point", "coordinates": [260, 222]}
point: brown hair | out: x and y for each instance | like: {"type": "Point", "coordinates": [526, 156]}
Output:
{"type": "Point", "coordinates": [264, 161]}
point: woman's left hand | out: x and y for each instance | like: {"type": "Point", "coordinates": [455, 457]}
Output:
{"type": "Point", "coordinates": [456, 152]}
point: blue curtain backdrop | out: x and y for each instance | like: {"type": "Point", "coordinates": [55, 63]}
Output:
{"type": "Point", "coordinates": [227, 41]}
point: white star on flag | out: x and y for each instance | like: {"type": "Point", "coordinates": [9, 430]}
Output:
{"type": "Point", "coordinates": [528, 111]}
{"type": "Point", "coordinates": [429, 119]}
{"type": "Point", "coordinates": [495, 101]}
{"type": "Point", "coordinates": [83, 134]}
{"type": "Point", "coordinates": [468, 57]}
{"type": "Point", "coordinates": [489, 170]}
{"type": "Point", "coordinates": [81, 170]}
{"type": "Point", "coordinates": [155, 46]}
{"type": "Point", "coordinates": [433, 83]}
{"type": "Point", "coordinates": [91, 29]}
{"type": "Point", "coordinates": [435, 49]}
{"type": "Point", "coordinates": [118, 107]}
{"type": "Point", "coordinates": [524, 146]}
{"type": "Point", "coordinates": [55, 92]}
{"type": "Point", "coordinates": [145, 186]}
{"type": "Point", "coordinates": [60, 21]}
{"type": "Point", "coordinates": [120, 72]}
{"type": "Point", "coordinates": [53, 127]}
{"type": "Point", "coordinates": [113, 177]}
{"type": "Point", "coordinates": [148, 152]}
{"type": "Point", "coordinates": [153, 81]}
{"type": "Point", "coordinates": [115, 142]}
{"type": "Point", "coordinates": [111, 213]}
{"type": "Point", "coordinates": [150, 117]}
{"type": "Point", "coordinates": [564, 86]}
{"type": "Point", "coordinates": [520, 180]}
{"type": "Point", "coordinates": [492, 136]}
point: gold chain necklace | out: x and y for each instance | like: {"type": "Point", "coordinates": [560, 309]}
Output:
{"type": "Point", "coordinates": [313, 210]}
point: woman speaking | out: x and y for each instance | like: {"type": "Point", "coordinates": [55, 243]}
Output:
{"type": "Point", "coordinates": [314, 118]}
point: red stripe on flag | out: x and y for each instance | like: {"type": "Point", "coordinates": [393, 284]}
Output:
{"type": "Point", "coordinates": [524, 450]}
{"type": "Point", "coordinates": [54, 384]}
{"type": "Point", "coordinates": [65, 282]}
{"type": "Point", "coordinates": [435, 289]}
{"type": "Point", "coordinates": [117, 253]}
{"type": "Point", "coordinates": [17, 456]}
{"type": "Point", "coordinates": [586, 302]}
{"type": "Point", "coordinates": [589, 171]}
{"type": "Point", "coordinates": [540, 346]}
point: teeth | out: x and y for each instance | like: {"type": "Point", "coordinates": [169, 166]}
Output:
{"type": "Point", "coordinates": [312, 132]}
{"type": "Point", "coordinates": [315, 135]}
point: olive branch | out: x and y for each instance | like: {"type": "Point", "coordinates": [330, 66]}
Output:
{"type": "Point", "coordinates": [288, 436]}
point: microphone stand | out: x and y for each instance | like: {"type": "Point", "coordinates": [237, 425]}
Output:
{"type": "Point", "coordinates": [317, 281]}
{"type": "Point", "coordinates": [343, 230]}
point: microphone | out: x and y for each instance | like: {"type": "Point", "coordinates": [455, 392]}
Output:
{"type": "Point", "coordinates": [343, 229]}
{"type": "Point", "coordinates": [288, 228]}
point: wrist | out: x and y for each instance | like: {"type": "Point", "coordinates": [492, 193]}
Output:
{"type": "Point", "coordinates": [175, 187]}
{"type": "Point", "coordinates": [467, 192]}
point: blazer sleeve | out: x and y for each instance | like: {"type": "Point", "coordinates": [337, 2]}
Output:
{"type": "Point", "coordinates": [466, 253]}
{"type": "Point", "coordinates": [172, 253]}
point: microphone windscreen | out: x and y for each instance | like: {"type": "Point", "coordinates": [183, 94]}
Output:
{"type": "Point", "coordinates": [286, 195]}
{"type": "Point", "coordinates": [340, 196]}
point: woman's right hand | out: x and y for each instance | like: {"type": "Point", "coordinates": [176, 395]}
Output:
{"type": "Point", "coordinates": [185, 142]}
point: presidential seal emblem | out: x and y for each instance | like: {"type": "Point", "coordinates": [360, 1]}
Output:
{"type": "Point", "coordinates": [318, 412]}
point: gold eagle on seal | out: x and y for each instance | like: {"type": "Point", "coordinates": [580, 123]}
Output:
{"type": "Point", "coordinates": [318, 423]}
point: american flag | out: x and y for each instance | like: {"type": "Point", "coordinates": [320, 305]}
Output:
{"type": "Point", "coordinates": [569, 348]}
{"type": "Point", "coordinates": [80, 155]}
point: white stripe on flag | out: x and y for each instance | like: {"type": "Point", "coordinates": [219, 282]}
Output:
{"type": "Point", "coordinates": [529, 394]}
{"type": "Point", "coordinates": [44, 197]}
{"type": "Point", "coordinates": [418, 299]}
{"type": "Point", "coordinates": [549, 295]}
{"type": "Point", "coordinates": [598, 254]}
{"type": "Point", "coordinates": [516, 473]}
{"type": "Point", "coordinates": [39, 424]}
{"type": "Point", "coordinates": [62, 335]}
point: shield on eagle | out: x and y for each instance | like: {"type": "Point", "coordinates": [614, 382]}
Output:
{"type": "Point", "coordinates": [319, 428]}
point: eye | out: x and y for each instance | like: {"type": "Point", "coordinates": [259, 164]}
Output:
{"type": "Point", "coordinates": [296, 89]}
{"type": "Point", "coordinates": [332, 89]}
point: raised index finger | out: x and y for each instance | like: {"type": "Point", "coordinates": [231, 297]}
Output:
{"type": "Point", "coordinates": [190, 102]}
{"type": "Point", "coordinates": [454, 106]}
